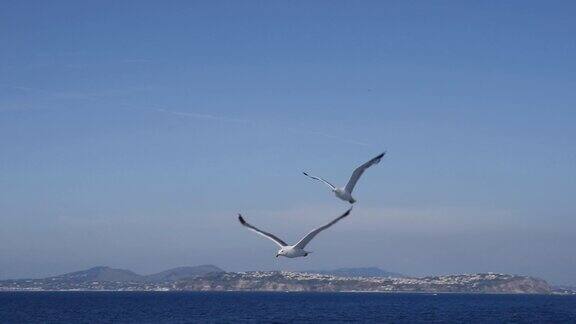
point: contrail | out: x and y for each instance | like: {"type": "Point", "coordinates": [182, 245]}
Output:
{"type": "Point", "coordinates": [350, 141]}
{"type": "Point", "coordinates": [193, 115]}
{"type": "Point", "coordinates": [202, 116]}
{"type": "Point", "coordinates": [243, 121]}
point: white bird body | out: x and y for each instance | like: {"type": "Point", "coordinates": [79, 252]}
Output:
{"type": "Point", "coordinates": [344, 195]}
{"type": "Point", "coordinates": [296, 250]}
{"type": "Point", "coordinates": [292, 251]}
{"type": "Point", "coordinates": [346, 192]}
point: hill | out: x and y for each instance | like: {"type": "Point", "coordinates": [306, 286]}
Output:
{"type": "Point", "coordinates": [182, 273]}
{"type": "Point", "coordinates": [358, 272]}
{"type": "Point", "coordinates": [307, 282]}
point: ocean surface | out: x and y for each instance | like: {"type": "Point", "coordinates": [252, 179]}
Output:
{"type": "Point", "coordinates": [234, 307]}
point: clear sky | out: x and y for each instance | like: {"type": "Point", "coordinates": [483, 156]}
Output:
{"type": "Point", "coordinates": [132, 132]}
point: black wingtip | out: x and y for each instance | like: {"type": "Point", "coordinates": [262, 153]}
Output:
{"type": "Point", "coordinates": [242, 221]}
{"type": "Point", "coordinates": [304, 173]}
{"type": "Point", "coordinates": [379, 157]}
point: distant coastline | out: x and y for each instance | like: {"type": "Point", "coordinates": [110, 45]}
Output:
{"type": "Point", "coordinates": [212, 278]}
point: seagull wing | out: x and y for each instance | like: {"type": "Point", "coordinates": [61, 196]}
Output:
{"type": "Point", "coordinates": [320, 179]}
{"type": "Point", "coordinates": [306, 239]}
{"type": "Point", "coordinates": [359, 171]}
{"type": "Point", "coordinates": [261, 232]}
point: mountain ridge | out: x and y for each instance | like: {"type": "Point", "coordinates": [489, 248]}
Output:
{"type": "Point", "coordinates": [102, 273]}
{"type": "Point", "coordinates": [105, 273]}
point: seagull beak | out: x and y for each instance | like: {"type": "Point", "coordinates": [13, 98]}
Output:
{"type": "Point", "coordinates": [277, 255]}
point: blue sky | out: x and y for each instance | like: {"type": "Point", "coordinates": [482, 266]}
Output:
{"type": "Point", "coordinates": [131, 133]}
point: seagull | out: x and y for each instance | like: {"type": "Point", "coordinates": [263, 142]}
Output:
{"type": "Point", "coordinates": [296, 250]}
{"type": "Point", "coordinates": [346, 192]}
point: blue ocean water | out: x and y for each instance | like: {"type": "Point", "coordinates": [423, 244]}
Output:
{"type": "Point", "coordinates": [234, 307]}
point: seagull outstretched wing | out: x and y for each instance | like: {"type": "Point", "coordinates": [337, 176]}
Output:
{"type": "Point", "coordinates": [306, 239]}
{"type": "Point", "coordinates": [359, 171]}
{"type": "Point", "coordinates": [261, 232]}
{"type": "Point", "coordinates": [320, 179]}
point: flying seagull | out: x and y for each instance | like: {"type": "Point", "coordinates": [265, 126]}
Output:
{"type": "Point", "coordinates": [346, 192]}
{"type": "Point", "coordinates": [296, 250]}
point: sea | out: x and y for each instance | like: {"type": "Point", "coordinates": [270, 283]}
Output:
{"type": "Point", "coordinates": [289, 307]}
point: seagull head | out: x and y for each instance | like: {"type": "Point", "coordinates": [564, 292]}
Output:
{"type": "Point", "coordinates": [280, 252]}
